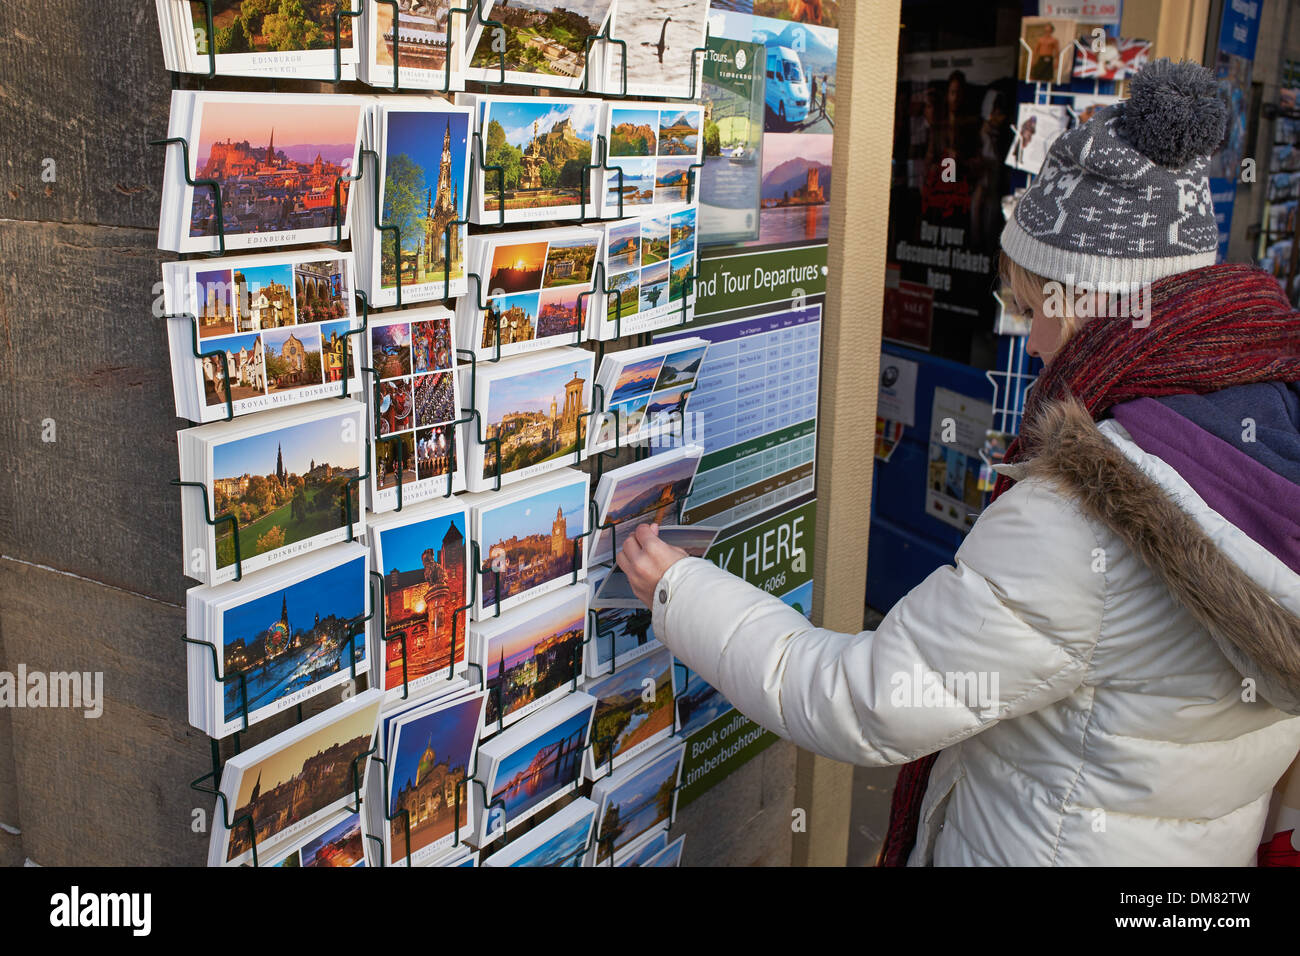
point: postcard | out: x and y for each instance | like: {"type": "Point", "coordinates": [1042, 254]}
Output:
{"type": "Point", "coordinates": [282, 637]}
{"type": "Point", "coordinates": [537, 159]}
{"type": "Point", "coordinates": [534, 42]}
{"type": "Point", "coordinates": [274, 330]}
{"type": "Point", "coordinates": [635, 799]}
{"type": "Point", "coordinates": [659, 58]}
{"type": "Point", "coordinates": [532, 416]}
{"type": "Point", "coordinates": [463, 856]}
{"type": "Point", "coordinates": [531, 656]}
{"type": "Point", "coordinates": [428, 764]}
{"type": "Point", "coordinates": [644, 492]}
{"type": "Point", "coordinates": [618, 636]}
{"type": "Point", "coordinates": [414, 406]}
{"type": "Point", "coordinates": [800, 63]}
{"type": "Point", "coordinates": [730, 183]}
{"type": "Point", "coordinates": [248, 39]}
{"type": "Point", "coordinates": [529, 540]}
{"type": "Point", "coordinates": [424, 150]}
{"type": "Point", "coordinates": [561, 840]}
{"type": "Point", "coordinates": [1086, 105]}
{"type": "Point", "coordinates": [646, 391]}
{"type": "Point", "coordinates": [529, 766]}
{"type": "Point", "coordinates": [282, 162]}
{"type": "Point", "coordinates": [293, 780]}
{"type": "Point", "coordinates": [288, 478]}
{"type": "Point", "coordinates": [536, 288]}
{"type": "Point", "coordinates": [1101, 57]}
{"type": "Point", "coordinates": [670, 855]}
{"type": "Point", "coordinates": [426, 46]}
{"type": "Point", "coordinates": [1037, 128]}
{"type": "Point", "coordinates": [1046, 49]}
{"type": "Point", "coordinates": [645, 848]}
{"type": "Point", "coordinates": [698, 702]}
{"type": "Point", "coordinates": [423, 556]}
{"type": "Point", "coordinates": [650, 270]}
{"type": "Point", "coordinates": [338, 842]}
{"type": "Point", "coordinates": [652, 147]}
{"type": "Point", "coordinates": [614, 589]}
{"type": "Point", "coordinates": [634, 711]}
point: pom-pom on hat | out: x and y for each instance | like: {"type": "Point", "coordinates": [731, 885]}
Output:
{"type": "Point", "coordinates": [1124, 199]}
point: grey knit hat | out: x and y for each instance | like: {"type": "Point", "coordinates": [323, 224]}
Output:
{"type": "Point", "coordinates": [1124, 199]}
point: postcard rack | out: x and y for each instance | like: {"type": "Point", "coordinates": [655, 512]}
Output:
{"type": "Point", "coordinates": [470, 14]}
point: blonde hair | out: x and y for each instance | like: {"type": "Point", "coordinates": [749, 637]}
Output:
{"type": "Point", "coordinates": [1029, 287]}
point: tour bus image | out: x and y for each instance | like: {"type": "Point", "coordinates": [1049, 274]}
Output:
{"type": "Point", "coordinates": [787, 87]}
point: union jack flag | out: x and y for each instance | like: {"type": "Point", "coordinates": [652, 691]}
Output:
{"type": "Point", "coordinates": [1120, 59]}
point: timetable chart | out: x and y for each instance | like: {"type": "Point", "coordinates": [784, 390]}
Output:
{"type": "Point", "coordinates": [755, 413]}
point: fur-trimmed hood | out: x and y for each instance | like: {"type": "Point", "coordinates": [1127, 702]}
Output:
{"type": "Point", "coordinates": [1247, 619]}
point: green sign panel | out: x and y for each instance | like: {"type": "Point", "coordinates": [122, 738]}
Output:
{"type": "Point", "coordinates": [754, 278]}
{"type": "Point", "coordinates": [776, 556]}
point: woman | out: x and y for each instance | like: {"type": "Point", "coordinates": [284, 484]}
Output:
{"type": "Point", "coordinates": [1110, 674]}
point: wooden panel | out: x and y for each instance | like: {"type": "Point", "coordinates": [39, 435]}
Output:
{"type": "Point", "coordinates": [122, 776]}
{"type": "Point", "coordinates": [850, 371]}
{"type": "Point", "coordinates": [84, 85]}
{"type": "Point", "coordinates": [85, 351]}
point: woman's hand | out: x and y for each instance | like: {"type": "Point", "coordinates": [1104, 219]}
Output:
{"type": "Point", "coordinates": [644, 558]}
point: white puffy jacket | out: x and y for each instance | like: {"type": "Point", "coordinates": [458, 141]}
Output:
{"type": "Point", "coordinates": [1123, 727]}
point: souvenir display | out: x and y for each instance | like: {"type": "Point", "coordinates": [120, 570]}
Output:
{"type": "Point", "coordinates": [561, 840]}
{"type": "Point", "coordinates": [634, 711]}
{"type": "Point", "coordinates": [618, 635]}
{"type": "Point", "coordinates": [536, 160]}
{"type": "Point", "coordinates": [671, 855]}
{"type": "Point", "coordinates": [658, 55]}
{"type": "Point", "coordinates": [656, 151]}
{"type": "Point", "coordinates": [633, 800]}
{"type": "Point", "coordinates": [1038, 126]}
{"type": "Point", "coordinates": [534, 42]}
{"type": "Point", "coordinates": [531, 656]}
{"type": "Point", "coordinates": [529, 766]}
{"type": "Point", "coordinates": [429, 748]}
{"type": "Point", "coordinates": [337, 842]}
{"type": "Point", "coordinates": [650, 271]}
{"type": "Point", "coordinates": [645, 392]}
{"type": "Point", "coordinates": [426, 46]}
{"type": "Point", "coordinates": [648, 491]}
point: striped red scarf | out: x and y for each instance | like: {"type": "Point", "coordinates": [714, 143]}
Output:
{"type": "Point", "coordinates": [1209, 329]}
